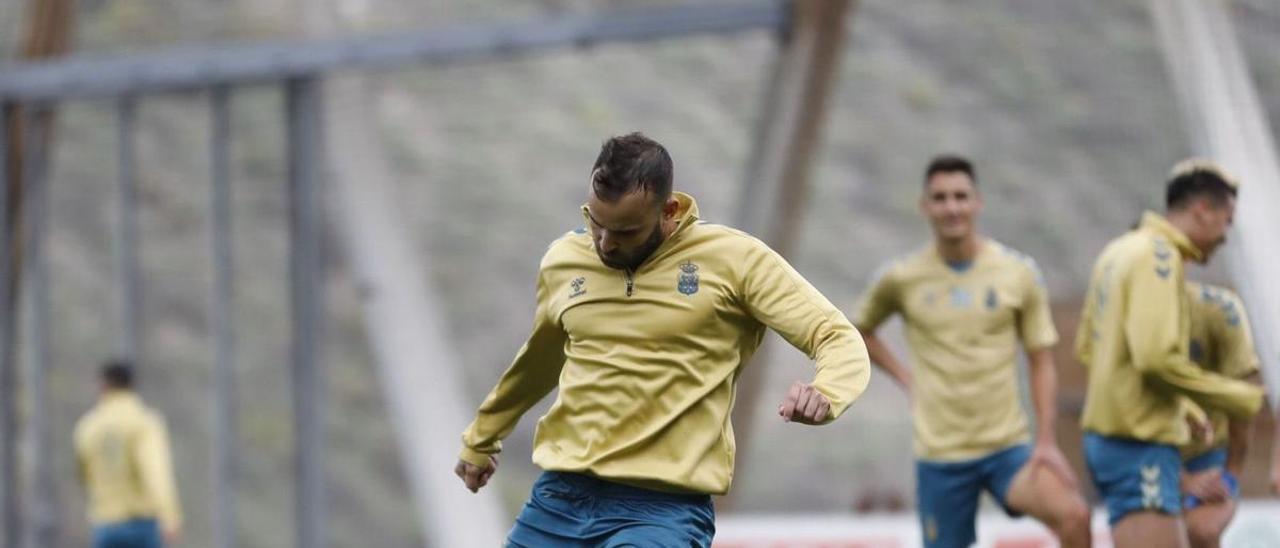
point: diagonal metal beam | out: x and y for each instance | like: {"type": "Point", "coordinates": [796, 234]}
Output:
{"type": "Point", "coordinates": [775, 193]}
{"type": "Point", "coordinates": [189, 69]}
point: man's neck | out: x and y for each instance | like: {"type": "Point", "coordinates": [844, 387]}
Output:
{"type": "Point", "coordinates": [1184, 223]}
{"type": "Point", "coordinates": [960, 250]}
{"type": "Point", "coordinates": [112, 393]}
{"type": "Point", "coordinates": [669, 227]}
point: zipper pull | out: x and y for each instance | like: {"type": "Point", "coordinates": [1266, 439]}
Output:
{"type": "Point", "coordinates": [630, 282]}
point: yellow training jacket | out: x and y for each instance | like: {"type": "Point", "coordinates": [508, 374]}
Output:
{"type": "Point", "coordinates": [1220, 342]}
{"type": "Point", "coordinates": [1133, 338]}
{"type": "Point", "coordinates": [647, 363]}
{"type": "Point", "coordinates": [123, 452]}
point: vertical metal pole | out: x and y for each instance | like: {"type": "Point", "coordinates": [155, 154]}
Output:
{"type": "Point", "coordinates": [303, 113]}
{"type": "Point", "coordinates": [10, 500]}
{"type": "Point", "coordinates": [224, 423]}
{"type": "Point", "coordinates": [126, 235]}
{"type": "Point", "coordinates": [44, 514]}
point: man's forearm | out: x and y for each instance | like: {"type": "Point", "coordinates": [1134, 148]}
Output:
{"type": "Point", "coordinates": [1238, 433]}
{"type": "Point", "coordinates": [883, 358]}
{"type": "Point", "coordinates": [1238, 444]}
{"type": "Point", "coordinates": [1044, 390]}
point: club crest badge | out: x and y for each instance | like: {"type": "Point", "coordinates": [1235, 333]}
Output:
{"type": "Point", "coordinates": [579, 287]}
{"type": "Point", "coordinates": [688, 280]}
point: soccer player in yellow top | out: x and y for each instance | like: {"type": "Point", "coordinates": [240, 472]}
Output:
{"type": "Point", "coordinates": [1134, 341]}
{"type": "Point", "coordinates": [644, 320]}
{"type": "Point", "coordinates": [125, 465]}
{"type": "Point", "coordinates": [968, 302]}
{"type": "Point", "coordinates": [1220, 341]}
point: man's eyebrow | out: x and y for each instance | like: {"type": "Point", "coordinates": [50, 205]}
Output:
{"type": "Point", "coordinates": [600, 224]}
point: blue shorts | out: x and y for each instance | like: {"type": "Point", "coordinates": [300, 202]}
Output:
{"type": "Point", "coordinates": [1134, 476]}
{"type": "Point", "coordinates": [1214, 458]}
{"type": "Point", "coordinates": [947, 493]}
{"type": "Point", "coordinates": [135, 533]}
{"type": "Point", "coordinates": [577, 510]}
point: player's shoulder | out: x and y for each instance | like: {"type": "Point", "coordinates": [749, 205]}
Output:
{"type": "Point", "coordinates": [1139, 251]}
{"type": "Point", "coordinates": [1148, 245]}
{"type": "Point", "coordinates": [97, 416]}
{"type": "Point", "coordinates": [1014, 258]}
{"type": "Point", "coordinates": [904, 265]}
{"type": "Point", "coordinates": [726, 241]}
{"type": "Point", "coordinates": [1216, 300]}
{"type": "Point", "coordinates": [1212, 293]}
{"type": "Point", "coordinates": [570, 246]}
{"type": "Point", "coordinates": [1008, 254]}
{"type": "Point", "coordinates": [86, 423]}
{"type": "Point", "coordinates": [150, 415]}
{"type": "Point", "coordinates": [1145, 252]}
{"type": "Point", "coordinates": [706, 230]}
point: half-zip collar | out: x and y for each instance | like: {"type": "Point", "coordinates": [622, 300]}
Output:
{"type": "Point", "coordinates": [1156, 223]}
{"type": "Point", "coordinates": [686, 215]}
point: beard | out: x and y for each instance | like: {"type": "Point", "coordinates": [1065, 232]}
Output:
{"type": "Point", "coordinates": [1208, 251]}
{"type": "Point", "coordinates": [631, 260]}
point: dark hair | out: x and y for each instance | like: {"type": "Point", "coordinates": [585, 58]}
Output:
{"type": "Point", "coordinates": [950, 163]}
{"type": "Point", "coordinates": [1198, 178]}
{"type": "Point", "coordinates": [117, 374]}
{"type": "Point", "coordinates": [631, 163]}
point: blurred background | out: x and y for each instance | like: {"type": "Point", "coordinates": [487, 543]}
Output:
{"type": "Point", "coordinates": [1067, 108]}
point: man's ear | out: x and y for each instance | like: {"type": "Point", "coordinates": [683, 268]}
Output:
{"type": "Point", "coordinates": [670, 208]}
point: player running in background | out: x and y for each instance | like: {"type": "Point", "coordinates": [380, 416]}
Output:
{"type": "Point", "coordinates": [644, 319]}
{"type": "Point", "coordinates": [1134, 338]}
{"type": "Point", "coordinates": [968, 302]}
{"type": "Point", "coordinates": [1220, 342]}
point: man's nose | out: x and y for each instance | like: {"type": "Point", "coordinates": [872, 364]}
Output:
{"type": "Point", "coordinates": [953, 206]}
{"type": "Point", "coordinates": [607, 243]}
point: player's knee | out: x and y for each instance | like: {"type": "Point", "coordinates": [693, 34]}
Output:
{"type": "Point", "coordinates": [1203, 533]}
{"type": "Point", "coordinates": [1075, 520]}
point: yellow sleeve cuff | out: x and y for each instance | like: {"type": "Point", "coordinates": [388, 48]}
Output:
{"type": "Point", "coordinates": [474, 458]}
{"type": "Point", "coordinates": [1194, 411]}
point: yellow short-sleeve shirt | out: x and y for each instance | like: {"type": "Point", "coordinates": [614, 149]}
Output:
{"type": "Point", "coordinates": [964, 323]}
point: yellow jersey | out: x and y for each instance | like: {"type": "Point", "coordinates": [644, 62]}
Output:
{"type": "Point", "coordinates": [963, 326]}
{"type": "Point", "coordinates": [1220, 342]}
{"type": "Point", "coordinates": [122, 449]}
{"type": "Point", "coordinates": [647, 362]}
{"type": "Point", "coordinates": [1133, 339]}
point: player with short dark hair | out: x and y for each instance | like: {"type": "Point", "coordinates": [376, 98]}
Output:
{"type": "Point", "coordinates": [968, 303]}
{"type": "Point", "coordinates": [126, 467]}
{"type": "Point", "coordinates": [644, 320]}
